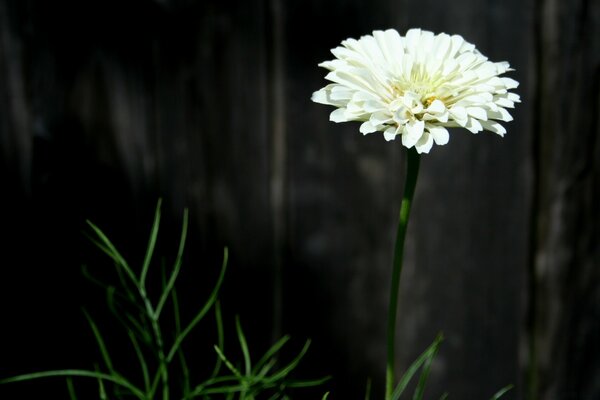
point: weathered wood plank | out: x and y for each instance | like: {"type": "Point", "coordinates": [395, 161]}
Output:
{"type": "Point", "coordinates": [564, 297]}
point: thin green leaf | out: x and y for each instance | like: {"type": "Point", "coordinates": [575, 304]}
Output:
{"type": "Point", "coordinates": [501, 392]}
{"type": "Point", "coordinates": [444, 396]}
{"type": "Point", "coordinates": [71, 389]}
{"type": "Point", "coordinates": [325, 396]}
{"type": "Point", "coordinates": [101, 345]}
{"type": "Point", "coordinates": [307, 382]}
{"type": "Point", "coordinates": [116, 379]}
{"type": "Point", "coordinates": [228, 364]}
{"type": "Point", "coordinates": [414, 367]}
{"type": "Point", "coordinates": [182, 361]}
{"type": "Point", "coordinates": [282, 373]}
{"type": "Point", "coordinates": [243, 345]}
{"type": "Point", "coordinates": [265, 369]}
{"type": "Point", "coordinates": [199, 389]}
{"type": "Point", "coordinates": [132, 295]}
{"type": "Point", "coordinates": [151, 244]}
{"type": "Point", "coordinates": [111, 290]}
{"type": "Point", "coordinates": [272, 351]}
{"type": "Point", "coordinates": [107, 246]}
{"type": "Point", "coordinates": [131, 323]}
{"type": "Point", "coordinates": [155, 381]}
{"type": "Point", "coordinates": [420, 389]}
{"type": "Point", "coordinates": [274, 396]}
{"type": "Point", "coordinates": [141, 359]}
{"type": "Point", "coordinates": [225, 389]}
{"type": "Point", "coordinates": [368, 389]}
{"type": "Point", "coordinates": [141, 331]}
{"type": "Point", "coordinates": [220, 338]}
{"type": "Point", "coordinates": [101, 389]}
{"type": "Point", "coordinates": [87, 275]}
{"type": "Point", "coordinates": [176, 267]}
{"type": "Point", "coordinates": [209, 303]}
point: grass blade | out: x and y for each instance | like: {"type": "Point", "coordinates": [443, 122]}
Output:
{"type": "Point", "coordinates": [116, 379]}
{"type": "Point", "coordinates": [107, 247]}
{"type": "Point", "coordinates": [209, 303]}
{"type": "Point", "coordinates": [71, 389]}
{"type": "Point", "coordinates": [414, 367]}
{"type": "Point", "coordinates": [130, 323]}
{"type": "Point", "coordinates": [420, 389]}
{"type": "Point", "coordinates": [182, 361]}
{"type": "Point", "coordinates": [244, 346]}
{"type": "Point", "coordinates": [151, 244]}
{"type": "Point", "coordinates": [101, 345]}
{"type": "Point", "coordinates": [101, 389]}
{"type": "Point", "coordinates": [141, 359]}
{"type": "Point", "coordinates": [220, 338]}
{"type": "Point", "coordinates": [228, 364]}
{"type": "Point", "coordinates": [501, 392]}
{"type": "Point", "coordinates": [271, 352]}
{"type": "Point", "coordinates": [199, 389]}
{"type": "Point", "coordinates": [282, 373]}
{"type": "Point", "coordinates": [368, 389]}
{"type": "Point", "coordinates": [307, 383]}
{"type": "Point", "coordinates": [176, 267]}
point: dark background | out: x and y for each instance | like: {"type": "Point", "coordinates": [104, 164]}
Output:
{"type": "Point", "coordinates": [105, 106]}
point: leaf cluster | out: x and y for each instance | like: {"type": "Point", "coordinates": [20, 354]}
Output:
{"type": "Point", "coordinates": [163, 366]}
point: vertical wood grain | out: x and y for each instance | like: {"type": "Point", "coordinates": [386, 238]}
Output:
{"type": "Point", "coordinates": [565, 278]}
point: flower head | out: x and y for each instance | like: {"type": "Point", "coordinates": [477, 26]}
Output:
{"type": "Point", "coordinates": [416, 86]}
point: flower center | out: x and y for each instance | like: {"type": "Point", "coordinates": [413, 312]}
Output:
{"type": "Point", "coordinates": [427, 102]}
{"type": "Point", "coordinates": [424, 89]}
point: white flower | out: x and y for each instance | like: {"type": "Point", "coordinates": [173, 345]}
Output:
{"type": "Point", "coordinates": [416, 86]}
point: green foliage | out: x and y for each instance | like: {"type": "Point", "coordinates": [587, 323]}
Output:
{"type": "Point", "coordinates": [163, 366]}
{"type": "Point", "coordinates": [423, 362]}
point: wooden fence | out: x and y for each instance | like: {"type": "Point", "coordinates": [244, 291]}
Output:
{"type": "Point", "coordinates": [107, 105]}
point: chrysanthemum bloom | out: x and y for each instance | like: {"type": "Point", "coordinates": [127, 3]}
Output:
{"type": "Point", "coordinates": [417, 86]}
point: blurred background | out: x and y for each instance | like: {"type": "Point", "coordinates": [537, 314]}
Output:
{"type": "Point", "coordinates": [105, 106]}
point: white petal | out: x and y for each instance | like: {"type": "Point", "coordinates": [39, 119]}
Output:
{"type": "Point", "coordinates": [494, 127]}
{"type": "Point", "coordinates": [389, 134]}
{"type": "Point", "coordinates": [341, 93]}
{"type": "Point", "coordinates": [364, 96]}
{"type": "Point", "coordinates": [504, 102]}
{"type": "Point", "coordinates": [436, 107]}
{"type": "Point", "coordinates": [514, 97]}
{"type": "Point", "coordinates": [478, 113]}
{"type": "Point", "coordinates": [373, 106]}
{"type": "Point", "coordinates": [500, 114]}
{"type": "Point", "coordinates": [380, 118]}
{"type": "Point", "coordinates": [459, 114]}
{"type": "Point", "coordinates": [338, 115]}
{"type": "Point", "coordinates": [320, 96]}
{"type": "Point", "coordinates": [502, 67]}
{"type": "Point", "coordinates": [478, 98]}
{"type": "Point", "coordinates": [440, 134]}
{"type": "Point", "coordinates": [443, 44]}
{"type": "Point", "coordinates": [412, 132]}
{"type": "Point", "coordinates": [510, 83]}
{"type": "Point", "coordinates": [412, 40]}
{"type": "Point", "coordinates": [354, 108]}
{"type": "Point", "coordinates": [425, 143]}
{"type": "Point", "coordinates": [474, 125]}
{"type": "Point", "coordinates": [367, 127]}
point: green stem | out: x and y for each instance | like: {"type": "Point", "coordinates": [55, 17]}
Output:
{"type": "Point", "coordinates": [412, 173]}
